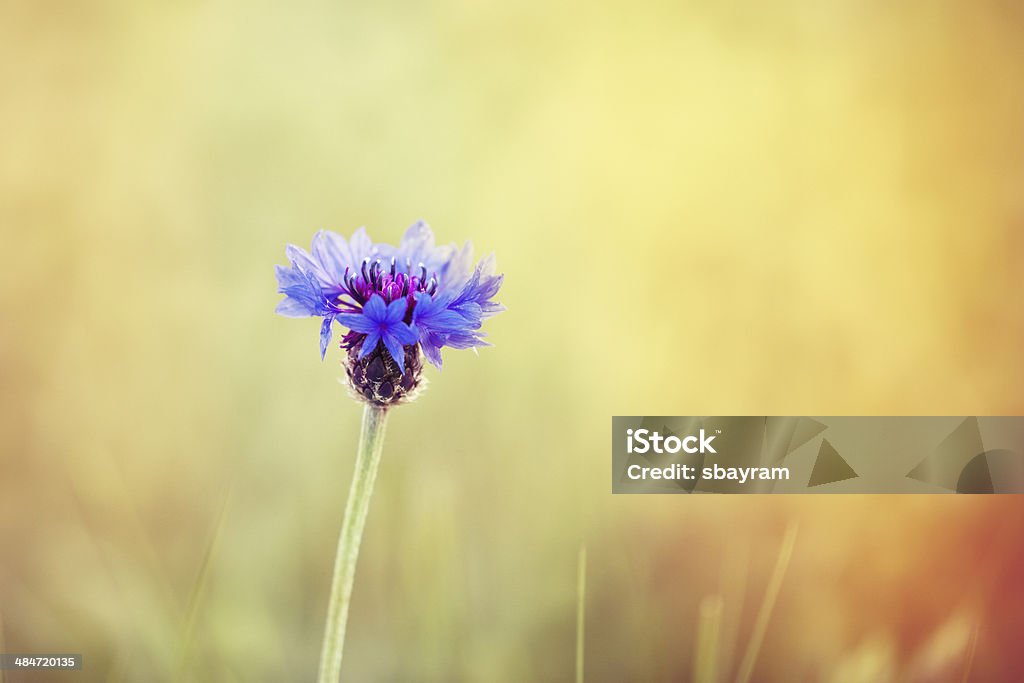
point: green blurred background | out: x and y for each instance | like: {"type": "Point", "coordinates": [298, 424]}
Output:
{"type": "Point", "coordinates": [700, 207]}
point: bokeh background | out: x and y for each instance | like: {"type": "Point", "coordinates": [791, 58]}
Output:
{"type": "Point", "coordinates": [701, 207]}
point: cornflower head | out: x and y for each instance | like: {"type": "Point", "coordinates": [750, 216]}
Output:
{"type": "Point", "coordinates": [399, 304]}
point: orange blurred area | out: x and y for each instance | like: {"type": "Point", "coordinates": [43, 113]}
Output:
{"type": "Point", "coordinates": [701, 208]}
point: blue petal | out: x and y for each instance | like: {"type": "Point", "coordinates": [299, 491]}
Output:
{"type": "Point", "coordinates": [331, 252]}
{"type": "Point", "coordinates": [375, 309]}
{"type": "Point", "coordinates": [357, 322]}
{"type": "Point", "coordinates": [456, 270]}
{"type": "Point", "coordinates": [432, 349]}
{"type": "Point", "coordinates": [395, 348]}
{"type": "Point", "coordinates": [482, 285]}
{"type": "Point", "coordinates": [418, 240]}
{"type": "Point", "coordinates": [360, 247]}
{"type": "Point", "coordinates": [404, 333]}
{"type": "Point", "coordinates": [288, 277]}
{"type": "Point", "coordinates": [446, 321]}
{"type": "Point", "coordinates": [301, 259]}
{"type": "Point", "coordinates": [396, 311]}
{"type": "Point", "coordinates": [370, 343]}
{"type": "Point", "coordinates": [471, 312]}
{"type": "Point", "coordinates": [325, 335]}
{"type": "Point", "coordinates": [461, 340]}
{"type": "Point", "coordinates": [431, 313]}
{"type": "Point", "coordinates": [320, 265]}
{"type": "Point", "coordinates": [304, 290]}
{"type": "Point", "coordinates": [417, 247]}
{"type": "Point", "coordinates": [293, 308]}
{"type": "Point", "coordinates": [491, 309]}
{"type": "Point", "coordinates": [425, 305]}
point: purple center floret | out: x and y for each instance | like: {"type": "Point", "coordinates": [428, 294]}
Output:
{"type": "Point", "coordinates": [391, 284]}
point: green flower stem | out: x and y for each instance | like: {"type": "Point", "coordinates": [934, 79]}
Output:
{"type": "Point", "coordinates": [371, 442]}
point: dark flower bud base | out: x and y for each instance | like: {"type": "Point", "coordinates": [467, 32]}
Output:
{"type": "Point", "coordinates": [377, 379]}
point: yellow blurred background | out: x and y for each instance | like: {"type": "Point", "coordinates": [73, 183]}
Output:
{"type": "Point", "coordinates": [701, 208]}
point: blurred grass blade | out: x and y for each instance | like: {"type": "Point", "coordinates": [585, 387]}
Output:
{"type": "Point", "coordinates": [3, 675]}
{"type": "Point", "coordinates": [972, 647]}
{"type": "Point", "coordinates": [581, 595]}
{"type": "Point", "coordinates": [733, 589]}
{"type": "Point", "coordinates": [709, 627]}
{"type": "Point", "coordinates": [199, 586]}
{"type": "Point", "coordinates": [767, 605]}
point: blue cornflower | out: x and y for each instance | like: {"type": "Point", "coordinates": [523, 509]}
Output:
{"type": "Point", "coordinates": [395, 302]}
